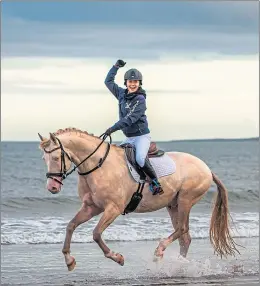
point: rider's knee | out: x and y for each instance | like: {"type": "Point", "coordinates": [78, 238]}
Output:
{"type": "Point", "coordinates": [140, 161]}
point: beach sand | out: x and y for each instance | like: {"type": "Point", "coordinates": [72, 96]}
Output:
{"type": "Point", "coordinates": [43, 264]}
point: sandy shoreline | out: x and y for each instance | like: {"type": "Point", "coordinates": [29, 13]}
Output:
{"type": "Point", "coordinates": [44, 265]}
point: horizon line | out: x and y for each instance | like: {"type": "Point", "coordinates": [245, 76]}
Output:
{"type": "Point", "coordinates": [159, 141]}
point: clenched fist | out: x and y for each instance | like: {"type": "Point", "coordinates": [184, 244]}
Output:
{"type": "Point", "coordinates": [120, 63]}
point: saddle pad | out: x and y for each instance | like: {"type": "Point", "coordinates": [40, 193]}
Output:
{"type": "Point", "coordinates": [163, 166]}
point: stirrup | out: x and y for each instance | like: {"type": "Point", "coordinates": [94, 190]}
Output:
{"type": "Point", "coordinates": [155, 187]}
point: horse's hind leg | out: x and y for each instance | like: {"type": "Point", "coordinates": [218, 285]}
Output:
{"type": "Point", "coordinates": [184, 207]}
{"type": "Point", "coordinates": [185, 239]}
{"type": "Point", "coordinates": [109, 215]}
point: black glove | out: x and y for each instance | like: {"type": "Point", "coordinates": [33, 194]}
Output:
{"type": "Point", "coordinates": [109, 131]}
{"type": "Point", "coordinates": [120, 63]}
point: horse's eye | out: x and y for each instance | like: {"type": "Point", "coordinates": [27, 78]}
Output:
{"type": "Point", "coordinates": [55, 158]}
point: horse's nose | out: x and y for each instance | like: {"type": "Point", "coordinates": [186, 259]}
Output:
{"type": "Point", "coordinates": [53, 186]}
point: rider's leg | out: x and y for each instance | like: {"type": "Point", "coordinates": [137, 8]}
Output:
{"type": "Point", "coordinates": [142, 144]}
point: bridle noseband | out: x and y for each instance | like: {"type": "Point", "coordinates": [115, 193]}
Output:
{"type": "Point", "coordinates": [63, 171]}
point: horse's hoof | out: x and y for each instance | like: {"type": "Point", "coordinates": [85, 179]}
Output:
{"type": "Point", "coordinates": [158, 255]}
{"type": "Point", "coordinates": [120, 259]}
{"type": "Point", "coordinates": [72, 265]}
{"type": "Point", "coordinates": [157, 258]}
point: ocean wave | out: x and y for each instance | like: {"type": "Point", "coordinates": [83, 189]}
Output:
{"type": "Point", "coordinates": [22, 202]}
{"type": "Point", "coordinates": [51, 230]}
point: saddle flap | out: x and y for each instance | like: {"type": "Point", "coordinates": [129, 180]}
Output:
{"type": "Point", "coordinates": [130, 153]}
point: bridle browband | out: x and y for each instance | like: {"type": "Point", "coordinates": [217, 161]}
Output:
{"type": "Point", "coordinates": [63, 171]}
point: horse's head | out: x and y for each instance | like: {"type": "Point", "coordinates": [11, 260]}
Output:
{"type": "Point", "coordinates": [58, 162]}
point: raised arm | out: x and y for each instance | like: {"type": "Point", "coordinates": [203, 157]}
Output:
{"type": "Point", "coordinates": [110, 78]}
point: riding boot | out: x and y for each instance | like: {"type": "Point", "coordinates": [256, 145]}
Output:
{"type": "Point", "coordinates": [155, 186]}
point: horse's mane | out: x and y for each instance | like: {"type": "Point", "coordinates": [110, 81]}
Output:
{"type": "Point", "coordinates": [72, 129]}
{"type": "Point", "coordinates": [46, 142]}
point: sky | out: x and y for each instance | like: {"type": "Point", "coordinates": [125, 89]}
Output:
{"type": "Point", "coordinates": [199, 61]}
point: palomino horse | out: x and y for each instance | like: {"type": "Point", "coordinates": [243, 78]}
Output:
{"type": "Point", "coordinates": [106, 186]}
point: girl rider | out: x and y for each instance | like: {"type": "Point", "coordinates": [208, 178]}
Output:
{"type": "Point", "coordinates": [133, 121]}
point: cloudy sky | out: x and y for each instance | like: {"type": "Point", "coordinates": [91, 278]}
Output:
{"type": "Point", "coordinates": [199, 62]}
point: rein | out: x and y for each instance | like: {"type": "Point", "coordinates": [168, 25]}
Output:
{"type": "Point", "coordinates": [63, 171]}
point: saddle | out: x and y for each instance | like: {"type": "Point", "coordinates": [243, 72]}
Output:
{"type": "Point", "coordinates": [130, 152]}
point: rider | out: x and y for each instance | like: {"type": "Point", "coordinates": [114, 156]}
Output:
{"type": "Point", "coordinates": [133, 121]}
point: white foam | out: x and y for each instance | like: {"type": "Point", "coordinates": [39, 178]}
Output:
{"type": "Point", "coordinates": [177, 266]}
{"type": "Point", "coordinates": [53, 229]}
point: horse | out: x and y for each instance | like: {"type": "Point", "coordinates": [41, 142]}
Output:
{"type": "Point", "coordinates": [106, 186]}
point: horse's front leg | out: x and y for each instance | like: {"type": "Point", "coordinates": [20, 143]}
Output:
{"type": "Point", "coordinates": [110, 214]}
{"type": "Point", "coordinates": [84, 214]}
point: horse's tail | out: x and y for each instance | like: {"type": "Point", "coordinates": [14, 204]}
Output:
{"type": "Point", "coordinates": [219, 234]}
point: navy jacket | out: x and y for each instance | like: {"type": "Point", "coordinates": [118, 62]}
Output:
{"type": "Point", "coordinates": [132, 106]}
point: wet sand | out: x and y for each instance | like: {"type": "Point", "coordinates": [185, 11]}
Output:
{"type": "Point", "coordinates": [44, 265]}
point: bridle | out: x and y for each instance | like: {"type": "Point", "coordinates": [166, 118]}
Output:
{"type": "Point", "coordinates": [64, 173]}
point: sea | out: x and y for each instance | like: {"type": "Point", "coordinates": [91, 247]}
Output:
{"type": "Point", "coordinates": [33, 217]}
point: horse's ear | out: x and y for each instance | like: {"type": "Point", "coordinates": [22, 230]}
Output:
{"type": "Point", "coordinates": [41, 137]}
{"type": "Point", "coordinates": [53, 138]}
